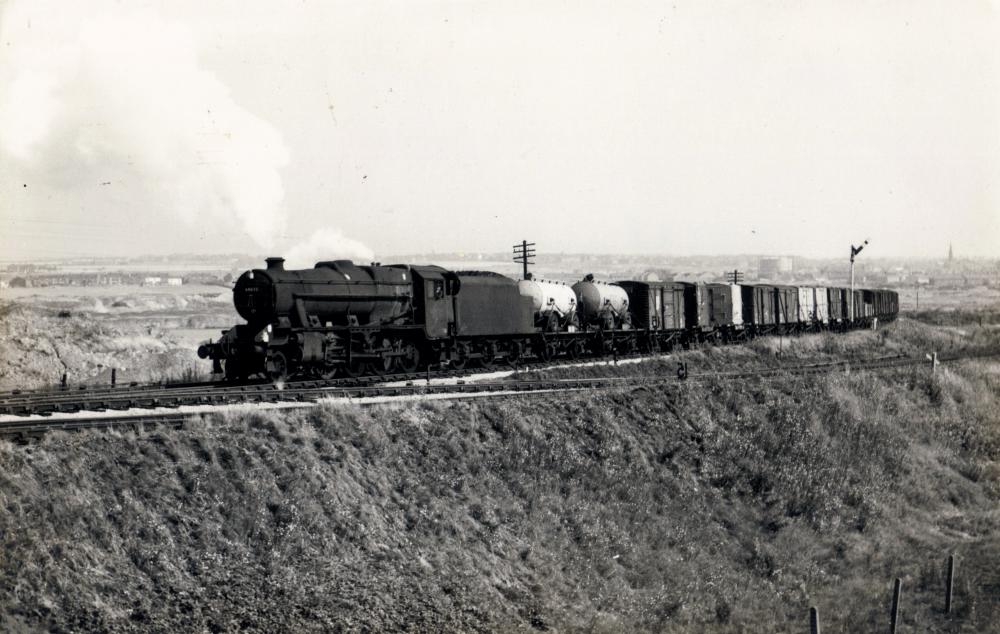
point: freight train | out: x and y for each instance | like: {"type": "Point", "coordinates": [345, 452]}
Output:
{"type": "Point", "coordinates": [341, 319]}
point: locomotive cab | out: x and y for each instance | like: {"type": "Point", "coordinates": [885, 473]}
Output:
{"type": "Point", "coordinates": [433, 304]}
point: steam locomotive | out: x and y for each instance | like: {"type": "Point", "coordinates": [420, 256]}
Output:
{"type": "Point", "coordinates": [341, 319]}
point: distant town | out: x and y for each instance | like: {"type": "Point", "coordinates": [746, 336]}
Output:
{"type": "Point", "coordinates": [948, 272]}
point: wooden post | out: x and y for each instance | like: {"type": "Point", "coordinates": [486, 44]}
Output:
{"type": "Point", "coordinates": [813, 621]}
{"type": "Point", "coordinates": [949, 584]}
{"type": "Point", "coordinates": [63, 382]}
{"type": "Point", "coordinates": [114, 378]}
{"type": "Point", "coordinates": [894, 616]}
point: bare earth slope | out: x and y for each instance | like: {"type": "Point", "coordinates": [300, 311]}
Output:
{"type": "Point", "coordinates": [38, 343]}
{"type": "Point", "coordinates": [717, 506]}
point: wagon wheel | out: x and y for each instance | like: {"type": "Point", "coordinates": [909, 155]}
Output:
{"type": "Point", "coordinates": [575, 349]}
{"type": "Point", "coordinates": [277, 366]}
{"type": "Point", "coordinates": [548, 350]}
{"type": "Point", "coordinates": [513, 353]}
{"type": "Point", "coordinates": [409, 358]}
{"type": "Point", "coordinates": [489, 352]}
{"type": "Point", "coordinates": [461, 356]}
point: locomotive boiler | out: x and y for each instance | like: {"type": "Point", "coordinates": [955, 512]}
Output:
{"type": "Point", "coordinates": [335, 293]}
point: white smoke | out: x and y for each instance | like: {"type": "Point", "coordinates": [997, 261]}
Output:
{"type": "Point", "coordinates": [327, 244]}
{"type": "Point", "coordinates": [86, 94]}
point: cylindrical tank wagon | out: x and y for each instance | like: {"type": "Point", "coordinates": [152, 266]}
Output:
{"type": "Point", "coordinates": [601, 305]}
{"type": "Point", "coordinates": [554, 304]}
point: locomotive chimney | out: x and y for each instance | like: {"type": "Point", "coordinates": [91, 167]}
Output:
{"type": "Point", "coordinates": [275, 264]}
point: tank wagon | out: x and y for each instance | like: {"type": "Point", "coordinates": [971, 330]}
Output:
{"type": "Point", "coordinates": [340, 318]}
{"type": "Point", "coordinates": [602, 306]}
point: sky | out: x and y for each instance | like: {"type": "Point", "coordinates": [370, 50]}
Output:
{"type": "Point", "coordinates": [320, 129]}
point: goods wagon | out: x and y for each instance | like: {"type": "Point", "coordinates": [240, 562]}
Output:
{"type": "Point", "coordinates": [695, 308]}
{"type": "Point", "coordinates": [655, 306]}
{"type": "Point", "coordinates": [786, 306]}
{"type": "Point", "coordinates": [758, 307]}
{"type": "Point", "coordinates": [821, 298]}
{"type": "Point", "coordinates": [807, 305]}
{"type": "Point", "coordinates": [724, 305]}
{"type": "Point", "coordinates": [837, 304]}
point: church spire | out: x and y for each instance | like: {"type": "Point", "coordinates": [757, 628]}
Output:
{"type": "Point", "coordinates": [951, 254]}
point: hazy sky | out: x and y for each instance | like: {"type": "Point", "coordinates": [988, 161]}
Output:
{"type": "Point", "coordinates": [369, 127]}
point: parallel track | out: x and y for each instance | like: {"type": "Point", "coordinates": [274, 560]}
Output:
{"type": "Point", "coordinates": [302, 394]}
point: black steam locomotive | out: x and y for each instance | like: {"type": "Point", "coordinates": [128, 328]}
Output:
{"type": "Point", "coordinates": [340, 319]}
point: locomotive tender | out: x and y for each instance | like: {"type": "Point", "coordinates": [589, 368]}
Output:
{"type": "Point", "coordinates": [339, 318]}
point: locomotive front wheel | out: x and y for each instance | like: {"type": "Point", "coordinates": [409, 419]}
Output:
{"type": "Point", "coordinates": [234, 371]}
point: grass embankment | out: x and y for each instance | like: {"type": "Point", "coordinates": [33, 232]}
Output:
{"type": "Point", "coordinates": [713, 506]}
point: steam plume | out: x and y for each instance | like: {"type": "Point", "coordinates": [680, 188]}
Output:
{"type": "Point", "coordinates": [85, 95]}
{"type": "Point", "coordinates": [327, 244]}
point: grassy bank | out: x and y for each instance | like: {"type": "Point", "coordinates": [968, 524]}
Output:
{"type": "Point", "coordinates": [716, 506]}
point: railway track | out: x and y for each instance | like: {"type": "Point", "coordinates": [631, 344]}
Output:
{"type": "Point", "coordinates": [195, 399]}
{"type": "Point", "coordinates": [54, 400]}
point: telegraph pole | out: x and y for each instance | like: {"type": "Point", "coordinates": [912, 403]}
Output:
{"type": "Point", "coordinates": [735, 276]}
{"type": "Point", "coordinates": [523, 254]}
{"type": "Point", "coordinates": [854, 251]}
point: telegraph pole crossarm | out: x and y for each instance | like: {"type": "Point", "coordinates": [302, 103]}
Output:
{"type": "Point", "coordinates": [524, 254]}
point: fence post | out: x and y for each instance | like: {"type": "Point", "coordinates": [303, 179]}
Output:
{"type": "Point", "coordinates": [949, 584]}
{"type": "Point", "coordinates": [114, 378]}
{"type": "Point", "coordinates": [62, 383]}
{"type": "Point", "coordinates": [813, 621]}
{"type": "Point", "coordinates": [894, 616]}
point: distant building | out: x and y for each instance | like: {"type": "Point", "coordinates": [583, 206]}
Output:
{"type": "Point", "coordinates": [152, 281]}
{"type": "Point", "coordinates": [174, 281]}
{"type": "Point", "coordinates": [771, 267]}
{"type": "Point", "coordinates": [18, 282]}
